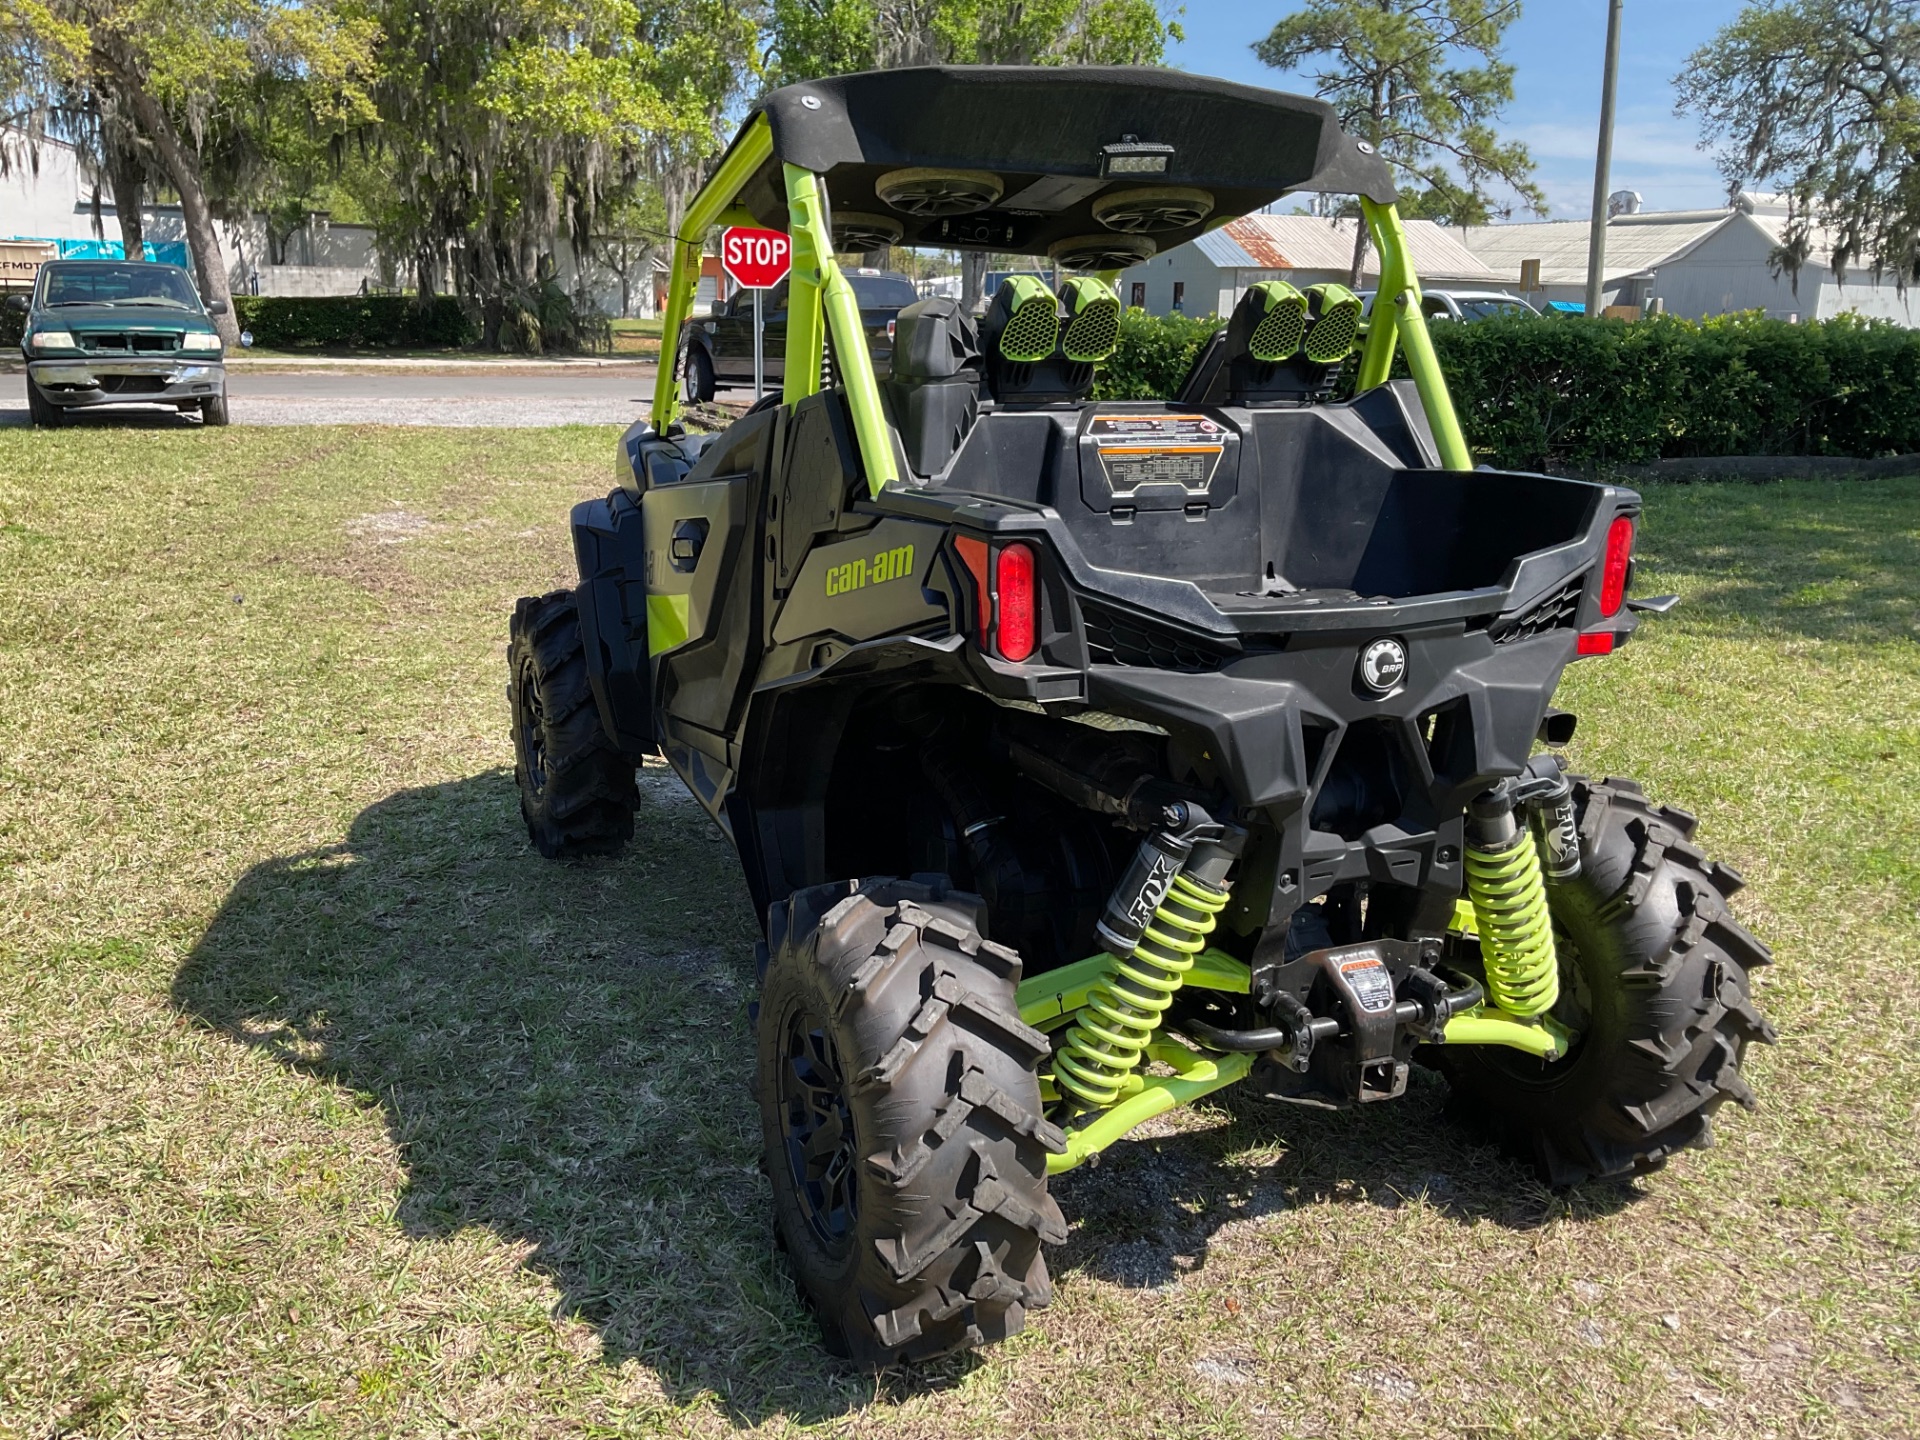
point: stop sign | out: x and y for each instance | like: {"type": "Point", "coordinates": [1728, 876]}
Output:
{"type": "Point", "coordinates": [755, 259]}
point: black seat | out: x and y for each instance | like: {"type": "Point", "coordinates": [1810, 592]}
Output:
{"type": "Point", "coordinates": [933, 387]}
{"type": "Point", "coordinates": [1281, 346]}
{"type": "Point", "coordinates": [1033, 358]}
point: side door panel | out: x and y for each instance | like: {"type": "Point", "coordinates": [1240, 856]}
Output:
{"type": "Point", "coordinates": [703, 582]}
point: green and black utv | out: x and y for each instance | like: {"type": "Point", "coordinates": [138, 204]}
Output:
{"type": "Point", "coordinates": [1084, 758]}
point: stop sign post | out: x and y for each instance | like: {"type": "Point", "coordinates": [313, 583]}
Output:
{"type": "Point", "coordinates": [756, 260]}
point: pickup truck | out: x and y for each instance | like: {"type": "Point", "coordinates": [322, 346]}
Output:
{"type": "Point", "coordinates": [717, 351]}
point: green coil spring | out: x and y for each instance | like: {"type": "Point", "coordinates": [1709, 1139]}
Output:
{"type": "Point", "coordinates": [1110, 1035]}
{"type": "Point", "coordinates": [1509, 896]}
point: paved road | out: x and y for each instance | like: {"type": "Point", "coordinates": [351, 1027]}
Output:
{"type": "Point", "coordinates": [472, 394]}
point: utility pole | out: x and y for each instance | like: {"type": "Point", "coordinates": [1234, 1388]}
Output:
{"type": "Point", "coordinates": [1602, 164]}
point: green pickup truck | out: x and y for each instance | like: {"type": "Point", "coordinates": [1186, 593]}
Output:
{"type": "Point", "coordinates": [119, 332]}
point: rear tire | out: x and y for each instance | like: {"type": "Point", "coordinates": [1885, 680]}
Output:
{"type": "Point", "coordinates": [700, 384]}
{"type": "Point", "coordinates": [42, 411]}
{"type": "Point", "coordinates": [213, 410]}
{"type": "Point", "coordinates": [1655, 976]}
{"type": "Point", "coordinates": [577, 790]}
{"type": "Point", "coordinates": [902, 1119]}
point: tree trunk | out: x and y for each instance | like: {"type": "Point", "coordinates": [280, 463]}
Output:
{"type": "Point", "coordinates": [123, 174]}
{"type": "Point", "coordinates": [183, 168]}
{"type": "Point", "coordinates": [973, 278]}
{"type": "Point", "coordinates": [1359, 252]}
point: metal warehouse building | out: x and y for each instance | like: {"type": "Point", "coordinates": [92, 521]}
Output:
{"type": "Point", "coordinates": [1694, 263]}
{"type": "Point", "coordinates": [1208, 275]}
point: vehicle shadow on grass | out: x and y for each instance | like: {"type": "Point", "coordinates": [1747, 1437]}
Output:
{"type": "Point", "coordinates": [560, 1054]}
{"type": "Point", "coordinates": [1150, 1212]}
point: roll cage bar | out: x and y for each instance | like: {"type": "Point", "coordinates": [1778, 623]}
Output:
{"type": "Point", "coordinates": [821, 301]}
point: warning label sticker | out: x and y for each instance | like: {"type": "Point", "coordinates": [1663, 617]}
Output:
{"type": "Point", "coordinates": [1372, 986]}
{"type": "Point", "coordinates": [1141, 450]}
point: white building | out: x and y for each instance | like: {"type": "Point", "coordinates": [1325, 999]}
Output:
{"type": "Point", "coordinates": [1693, 263]}
{"type": "Point", "coordinates": [1207, 276]}
{"type": "Point", "coordinates": [56, 201]}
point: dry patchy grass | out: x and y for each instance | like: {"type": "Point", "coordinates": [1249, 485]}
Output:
{"type": "Point", "coordinates": [328, 1109]}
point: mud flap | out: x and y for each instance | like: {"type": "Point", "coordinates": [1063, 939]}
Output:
{"type": "Point", "coordinates": [610, 548]}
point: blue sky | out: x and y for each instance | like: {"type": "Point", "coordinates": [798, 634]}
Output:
{"type": "Point", "coordinates": [1556, 46]}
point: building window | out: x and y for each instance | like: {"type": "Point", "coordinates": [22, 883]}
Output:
{"type": "Point", "coordinates": [1138, 300]}
{"type": "Point", "coordinates": [1179, 294]}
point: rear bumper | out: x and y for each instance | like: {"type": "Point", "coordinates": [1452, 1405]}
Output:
{"type": "Point", "coordinates": [75, 384]}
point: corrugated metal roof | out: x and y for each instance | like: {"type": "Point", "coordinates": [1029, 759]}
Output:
{"type": "Point", "coordinates": [1312, 242]}
{"type": "Point", "coordinates": [1635, 243]}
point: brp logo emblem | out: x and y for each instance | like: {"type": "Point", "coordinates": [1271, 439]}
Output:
{"type": "Point", "coordinates": [1383, 665]}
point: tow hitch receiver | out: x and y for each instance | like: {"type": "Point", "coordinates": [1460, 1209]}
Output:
{"type": "Point", "coordinates": [1365, 1009]}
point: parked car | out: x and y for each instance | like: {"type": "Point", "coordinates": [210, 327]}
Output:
{"type": "Point", "coordinates": [1464, 304]}
{"type": "Point", "coordinates": [718, 351]}
{"type": "Point", "coordinates": [118, 332]}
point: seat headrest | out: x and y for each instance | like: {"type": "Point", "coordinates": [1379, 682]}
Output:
{"type": "Point", "coordinates": [933, 339]}
{"type": "Point", "coordinates": [1093, 320]}
{"type": "Point", "coordinates": [1022, 325]}
{"type": "Point", "coordinates": [1281, 345]}
{"type": "Point", "coordinates": [1030, 356]}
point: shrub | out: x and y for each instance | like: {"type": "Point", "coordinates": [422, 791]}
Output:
{"type": "Point", "coordinates": [1552, 394]}
{"type": "Point", "coordinates": [1152, 357]}
{"type": "Point", "coordinates": [370, 322]}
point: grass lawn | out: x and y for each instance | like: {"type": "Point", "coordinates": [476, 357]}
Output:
{"type": "Point", "coordinates": [637, 336]}
{"type": "Point", "coordinates": [328, 1108]}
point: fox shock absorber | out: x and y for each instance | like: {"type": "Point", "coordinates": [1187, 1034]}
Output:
{"type": "Point", "coordinates": [1155, 924]}
{"type": "Point", "coordinates": [1506, 884]}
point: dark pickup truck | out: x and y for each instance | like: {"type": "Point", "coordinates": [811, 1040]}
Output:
{"type": "Point", "coordinates": [717, 351]}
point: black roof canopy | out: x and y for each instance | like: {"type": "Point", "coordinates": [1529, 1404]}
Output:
{"type": "Point", "coordinates": [1064, 145]}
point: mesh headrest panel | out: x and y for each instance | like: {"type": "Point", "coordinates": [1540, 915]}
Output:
{"type": "Point", "coordinates": [1033, 320]}
{"type": "Point", "coordinates": [1336, 324]}
{"type": "Point", "coordinates": [1093, 320]}
{"type": "Point", "coordinates": [1283, 325]}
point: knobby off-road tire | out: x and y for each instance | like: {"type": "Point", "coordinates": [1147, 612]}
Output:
{"type": "Point", "coordinates": [577, 790]}
{"type": "Point", "coordinates": [1655, 975]}
{"type": "Point", "coordinates": [901, 1108]}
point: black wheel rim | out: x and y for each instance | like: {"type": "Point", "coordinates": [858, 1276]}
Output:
{"type": "Point", "coordinates": [533, 729]}
{"type": "Point", "coordinates": [822, 1146]}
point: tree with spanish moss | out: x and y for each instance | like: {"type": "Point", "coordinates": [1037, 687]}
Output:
{"type": "Point", "coordinates": [1821, 98]}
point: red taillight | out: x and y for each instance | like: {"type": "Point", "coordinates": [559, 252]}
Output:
{"type": "Point", "coordinates": [1595, 642]}
{"type": "Point", "coordinates": [890, 325]}
{"type": "Point", "coordinates": [1013, 593]}
{"type": "Point", "coordinates": [1009, 619]}
{"type": "Point", "coordinates": [1613, 573]}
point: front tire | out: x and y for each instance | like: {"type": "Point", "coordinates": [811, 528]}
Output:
{"type": "Point", "coordinates": [700, 384]}
{"type": "Point", "coordinates": [1655, 978]}
{"type": "Point", "coordinates": [577, 790]}
{"type": "Point", "coordinates": [213, 410]}
{"type": "Point", "coordinates": [42, 411]}
{"type": "Point", "coordinates": [900, 1104]}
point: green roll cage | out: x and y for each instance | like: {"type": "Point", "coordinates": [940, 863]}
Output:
{"type": "Point", "coordinates": [820, 298]}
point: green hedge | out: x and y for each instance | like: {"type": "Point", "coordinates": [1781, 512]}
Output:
{"type": "Point", "coordinates": [1538, 394]}
{"type": "Point", "coordinates": [360, 322]}
{"type": "Point", "coordinates": [1153, 356]}
{"type": "Point", "coordinates": [1569, 394]}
